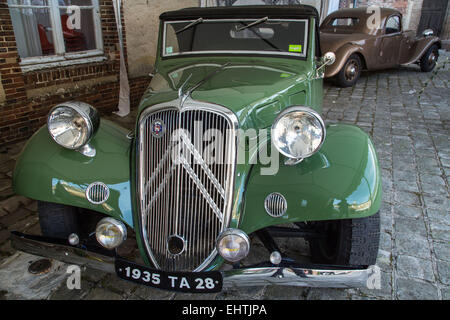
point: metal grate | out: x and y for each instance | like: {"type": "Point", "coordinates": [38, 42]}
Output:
{"type": "Point", "coordinates": [97, 193]}
{"type": "Point", "coordinates": [185, 190]}
{"type": "Point", "coordinates": [275, 205]}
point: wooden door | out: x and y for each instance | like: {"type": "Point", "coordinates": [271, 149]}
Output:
{"type": "Point", "coordinates": [433, 16]}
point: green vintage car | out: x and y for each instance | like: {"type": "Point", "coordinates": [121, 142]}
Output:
{"type": "Point", "coordinates": [229, 147]}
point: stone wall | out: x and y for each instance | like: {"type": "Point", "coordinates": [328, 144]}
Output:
{"type": "Point", "coordinates": [142, 23]}
{"type": "Point", "coordinates": [446, 33]}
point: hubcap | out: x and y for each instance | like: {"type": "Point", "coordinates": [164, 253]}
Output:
{"type": "Point", "coordinates": [433, 57]}
{"type": "Point", "coordinates": [351, 71]}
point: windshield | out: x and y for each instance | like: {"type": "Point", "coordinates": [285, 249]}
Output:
{"type": "Point", "coordinates": [244, 36]}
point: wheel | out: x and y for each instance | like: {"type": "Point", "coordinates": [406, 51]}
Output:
{"type": "Point", "coordinates": [350, 72]}
{"type": "Point", "coordinates": [352, 242]}
{"type": "Point", "coordinates": [57, 220]}
{"type": "Point", "coordinates": [429, 59]}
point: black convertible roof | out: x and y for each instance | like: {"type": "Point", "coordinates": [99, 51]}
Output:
{"type": "Point", "coordinates": [291, 11]}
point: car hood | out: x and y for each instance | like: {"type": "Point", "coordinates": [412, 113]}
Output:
{"type": "Point", "coordinates": [241, 87]}
{"type": "Point", "coordinates": [333, 41]}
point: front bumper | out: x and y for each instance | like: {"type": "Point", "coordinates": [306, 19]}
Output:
{"type": "Point", "coordinates": [102, 259]}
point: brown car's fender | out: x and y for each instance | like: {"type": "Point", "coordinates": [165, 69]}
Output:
{"type": "Point", "coordinates": [342, 55]}
{"type": "Point", "coordinates": [418, 49]}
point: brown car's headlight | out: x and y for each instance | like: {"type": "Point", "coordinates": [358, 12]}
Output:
{"type": "Point", "coordinates": [73, 124]}
{"type": "Point", "coordinates": [298, 132]}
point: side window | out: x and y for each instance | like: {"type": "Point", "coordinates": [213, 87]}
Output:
{"type": "Point", "coordinates": [393, 25]}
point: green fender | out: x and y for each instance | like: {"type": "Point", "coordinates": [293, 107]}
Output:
{"type": "Point", "coordinates": [341, 181]}
{"type": "Point", "coordinates": [48, 172]}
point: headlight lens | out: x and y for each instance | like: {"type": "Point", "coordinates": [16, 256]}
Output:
{"type": "Point", "coordinates": [110, 233]}
{"type": "Point", "coordinates": [233, 245]}
{"type": "Point", "coordinates": [298, 132]}
{"type": "Point", "coordinates": [72, 124]}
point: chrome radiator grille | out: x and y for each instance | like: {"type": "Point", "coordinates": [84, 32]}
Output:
{"type": "Point", "coordinates": [185, 190]}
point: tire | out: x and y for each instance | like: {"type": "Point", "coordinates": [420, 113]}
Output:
{"type": "Point", "coordinates": [57, 220]}
{"type": "Point", "coordinates": [350, 72]}
{"type": "Point", "coordinates": [352, 242]}
{"type": "Point", "coordinates": [429, 59]}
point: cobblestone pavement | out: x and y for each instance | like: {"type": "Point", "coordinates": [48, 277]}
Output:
{"type": "Point", "coordinates": [412, 140]}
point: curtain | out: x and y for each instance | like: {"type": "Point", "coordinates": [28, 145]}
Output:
{"type": "Point", "coordinates": [26, 32]}
{"type": "Point", "coordinates": [124, 94]}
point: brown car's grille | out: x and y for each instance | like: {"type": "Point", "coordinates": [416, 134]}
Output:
{"type": "Point", "coordinates": [184, 194]}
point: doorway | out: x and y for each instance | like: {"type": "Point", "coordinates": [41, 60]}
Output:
{"type": "Point", "coordinates": [433, 16]}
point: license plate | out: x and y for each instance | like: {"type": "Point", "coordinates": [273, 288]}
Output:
{"type": "Point", "coordinates": [199, 282]}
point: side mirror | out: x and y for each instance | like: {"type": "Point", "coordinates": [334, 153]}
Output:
{"type": "Point", "coordinates": [329, 58]}
{"type": "Point", "coordinates": [428, 33]}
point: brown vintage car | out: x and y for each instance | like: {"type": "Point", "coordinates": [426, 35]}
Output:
{"type": "Point", "coordinates": [360, 43]}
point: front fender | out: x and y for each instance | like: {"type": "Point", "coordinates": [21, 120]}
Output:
{"type": "Point", "coordinates": [48, 172]}
{"type": "Point", "coordinates": [341, 181]}
{"type": "Point", "coordinates": [342, 55]}
{"type": "Point", "coordinates": [418, 49]}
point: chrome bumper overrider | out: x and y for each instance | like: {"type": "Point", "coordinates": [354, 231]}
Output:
{"type": "Point", "coordinates": [290, 276]}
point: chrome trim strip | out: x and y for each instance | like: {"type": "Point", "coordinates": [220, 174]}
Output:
{"type": "Point", "coordinates": [40, 246]}
{"type": "Point", "coordinates": [300, 277]}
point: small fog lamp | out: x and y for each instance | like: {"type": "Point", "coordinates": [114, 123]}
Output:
{"type": "Point", "coordinates": [275, 257]}
{"type": "Point", "coordinates": [233, 245]}
{"type": "Point", "coordinates": [110, 233]}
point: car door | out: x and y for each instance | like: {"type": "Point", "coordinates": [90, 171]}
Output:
{"type": "Point", "coordinates": [391, 42]}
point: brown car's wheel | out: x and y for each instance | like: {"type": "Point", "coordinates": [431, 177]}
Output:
{"type": "Point", "coordinates": [350, 72]}
{"type": "Point", "coordinates": [57, 220]}
{"type": "Point", "coordinates": [429, 59]}
{"type": "Point", "coordinates": [352, 242]}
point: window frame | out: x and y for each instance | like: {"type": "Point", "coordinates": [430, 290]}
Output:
{"type": "Point", "coordinates": [234, 52]}
{"type": "Point", "coordinates": [60, 55]}
{"type": "Point", "coordinates": [343, 25]}
{"type": "Point", "coordinates": [400, 24]}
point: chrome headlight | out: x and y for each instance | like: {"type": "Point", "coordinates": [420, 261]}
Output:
{"type": "Point", "coordinates": [298, 132]}
{"type": "Point", "coordinates": [72, 124]}
{"type": "Point", "coordinates": [233, 245]}
{"type": "Point", "coordinates": [110, 233]}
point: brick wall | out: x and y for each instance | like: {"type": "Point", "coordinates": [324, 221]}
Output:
{"type": "Point", "coordinates": [400, 5]}
{"type": "Point", "coordinates": [28, 97]}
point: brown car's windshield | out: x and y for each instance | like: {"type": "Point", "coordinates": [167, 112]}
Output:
{"type": "Point", "coordinates": [233, 36]}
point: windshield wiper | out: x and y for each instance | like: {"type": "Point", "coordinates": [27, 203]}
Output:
{"type": "Point", "coordinates": [253, 23]}
{"type": "Point", "coordinates": [190, 25]}
{"type": "Point", "coordinates": [257, 34]}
